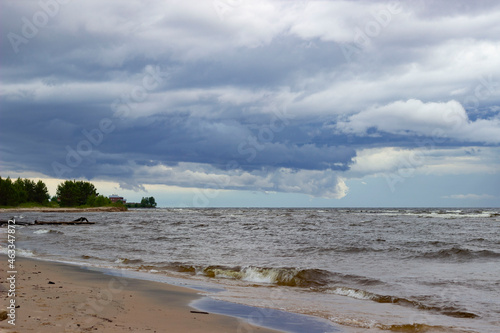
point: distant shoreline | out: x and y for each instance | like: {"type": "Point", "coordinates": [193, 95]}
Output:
{"type": "Point", "coordinates": [63, 209]}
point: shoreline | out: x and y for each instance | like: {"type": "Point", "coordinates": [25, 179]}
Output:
{"type": "Point", "coordinates": [62, 209]}
{"type": "Point", "coordinates": [60, 297]}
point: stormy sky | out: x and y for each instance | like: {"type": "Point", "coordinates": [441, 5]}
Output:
{"type": "Point", "coordinates": [255, 103]}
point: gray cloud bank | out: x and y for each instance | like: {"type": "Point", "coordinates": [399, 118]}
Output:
{"type": "Point", "coordinates": [256, 95]}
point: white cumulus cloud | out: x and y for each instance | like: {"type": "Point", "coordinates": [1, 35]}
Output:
{"type": "Point", "coordinates": [436, 119]}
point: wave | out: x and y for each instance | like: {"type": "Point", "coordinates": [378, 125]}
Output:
{"type": "Point", "coordinates": [127, 261]}
{"type": "Point", "coordinates": [351, 249]}
{"type": "Point", "coordinates": [291, 277]}
{"type": "Point", "coordinates": [409, 328]}
{"type": "Point", "coordinates": [86, 257]}
{"type": "Point", "coordinates": [19, 252]}
{"type": "Point", "coordinates": [120, 261]}
{"type": "Point", "coordinates": [356, 249]}
{"type": "Point", "coordinates": [416, 327]}
{"type": "Point", "coordinates": [159, 238]}
{"type": "Point", "coordinates": [459, 253]}
{"type": "Point", "coordinates": [446, 214]}
{"type": "Point", "coordinates": [47, 231]}
{"type": "Point", "coordinates": [176, 223]}
{"type": "Point", "coordinates": [286, 276]}
{"type": "Point", "coordinates": [366, 295]}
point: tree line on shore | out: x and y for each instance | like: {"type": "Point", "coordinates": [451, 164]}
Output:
{"type": "Point", "coordinates": [14, 193]}
{"type": "Point", "coordinates": [70, 193]}
{"type": "Point", "coordinates": [73, 193]}
{"type": "Point", "coordinates": [146, 202]}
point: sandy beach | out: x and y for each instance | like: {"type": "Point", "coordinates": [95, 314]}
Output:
{"type": "Point", "coordinates": [54, 297]}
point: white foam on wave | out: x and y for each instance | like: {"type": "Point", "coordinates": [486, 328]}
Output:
{"type": "Point", "coordinates": [19, 252]}
{"type": "Point", "coordinates": [25, 253]}
{"type": "Point", "coordinates": [449, 214]}
{"type": "Point", "coordinates": [353, 322]}
{"type": "Point", "coordinates": [42, 231]}
{"type": "Point", "coordinates": [121, 261]}
{"type": "Point", "coordinates": [461, 215]}
{"type": "Point", "coordinates": [353, 293]}
{"type": "Point", "coordinates": [251, 274]}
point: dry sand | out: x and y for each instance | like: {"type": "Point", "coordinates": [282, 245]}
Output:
{"type": "Point", "coordinates": [55, 297]}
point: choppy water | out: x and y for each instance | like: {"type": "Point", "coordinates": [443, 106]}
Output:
{"type": "Point", "coordinates": [409, 270]}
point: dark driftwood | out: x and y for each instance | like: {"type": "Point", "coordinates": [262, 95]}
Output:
{"type": "Point", "coordinates": [4, 222]}
{"type": "Point", "coordinates": [63, 223]}
{"type": "Point", "coordinates": [48, 222]}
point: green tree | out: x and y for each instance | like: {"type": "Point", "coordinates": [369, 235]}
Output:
{"type": "Point", "coordinates": [98, 201]}
{"type": "Point", "coordinates": [101, 201]}
{"type": "Point", "coordinates": [8, 196]}
{"type": "Point", "coordinates": [41, 194]}
{"type": "Point", "coordinates": [75, 193]}
{"type": "Point", "coordinates": [91, 201]}
{"type": "Point", "coordinates": [29, 190]}
{"type": "Point", "coordinates": [85, 190]}
{"type": "Point", "coordinates": [148, 202]}
{"type": "Point", "coordinates": [67, 193]}
{"type": "Point", "coordinates": [20, 195]}
{"type": "Point", "coordinates": [22, 191]}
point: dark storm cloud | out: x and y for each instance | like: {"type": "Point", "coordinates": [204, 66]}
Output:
{"type": "Point", "coordinates": [166, 139]}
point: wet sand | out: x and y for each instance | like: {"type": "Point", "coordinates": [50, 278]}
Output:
{"type": "Point", "coordinates": [55, 297]}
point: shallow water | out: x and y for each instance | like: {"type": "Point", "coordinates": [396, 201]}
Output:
{"type": "Point", "coordinates": [365, 269]}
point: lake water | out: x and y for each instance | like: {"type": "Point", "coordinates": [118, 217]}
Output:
{"type": "Point", "coordinates": [365, 270]}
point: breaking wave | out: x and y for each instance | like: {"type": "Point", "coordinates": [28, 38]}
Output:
{"type": "Point", "coordinates": [47, 231]}
{"type": "Point", "coordinates": [19, 252]}
{"type": "Point", "coordinates": [409, 328]}
{"type": "Point", "coordinates": [127, 261]}
{"type": "Point", "coordinates": [291, 277]}
{"type": "Point", "coordinates": [366, 295]}
{"type": "Point", "coordinates": [459, 253]}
